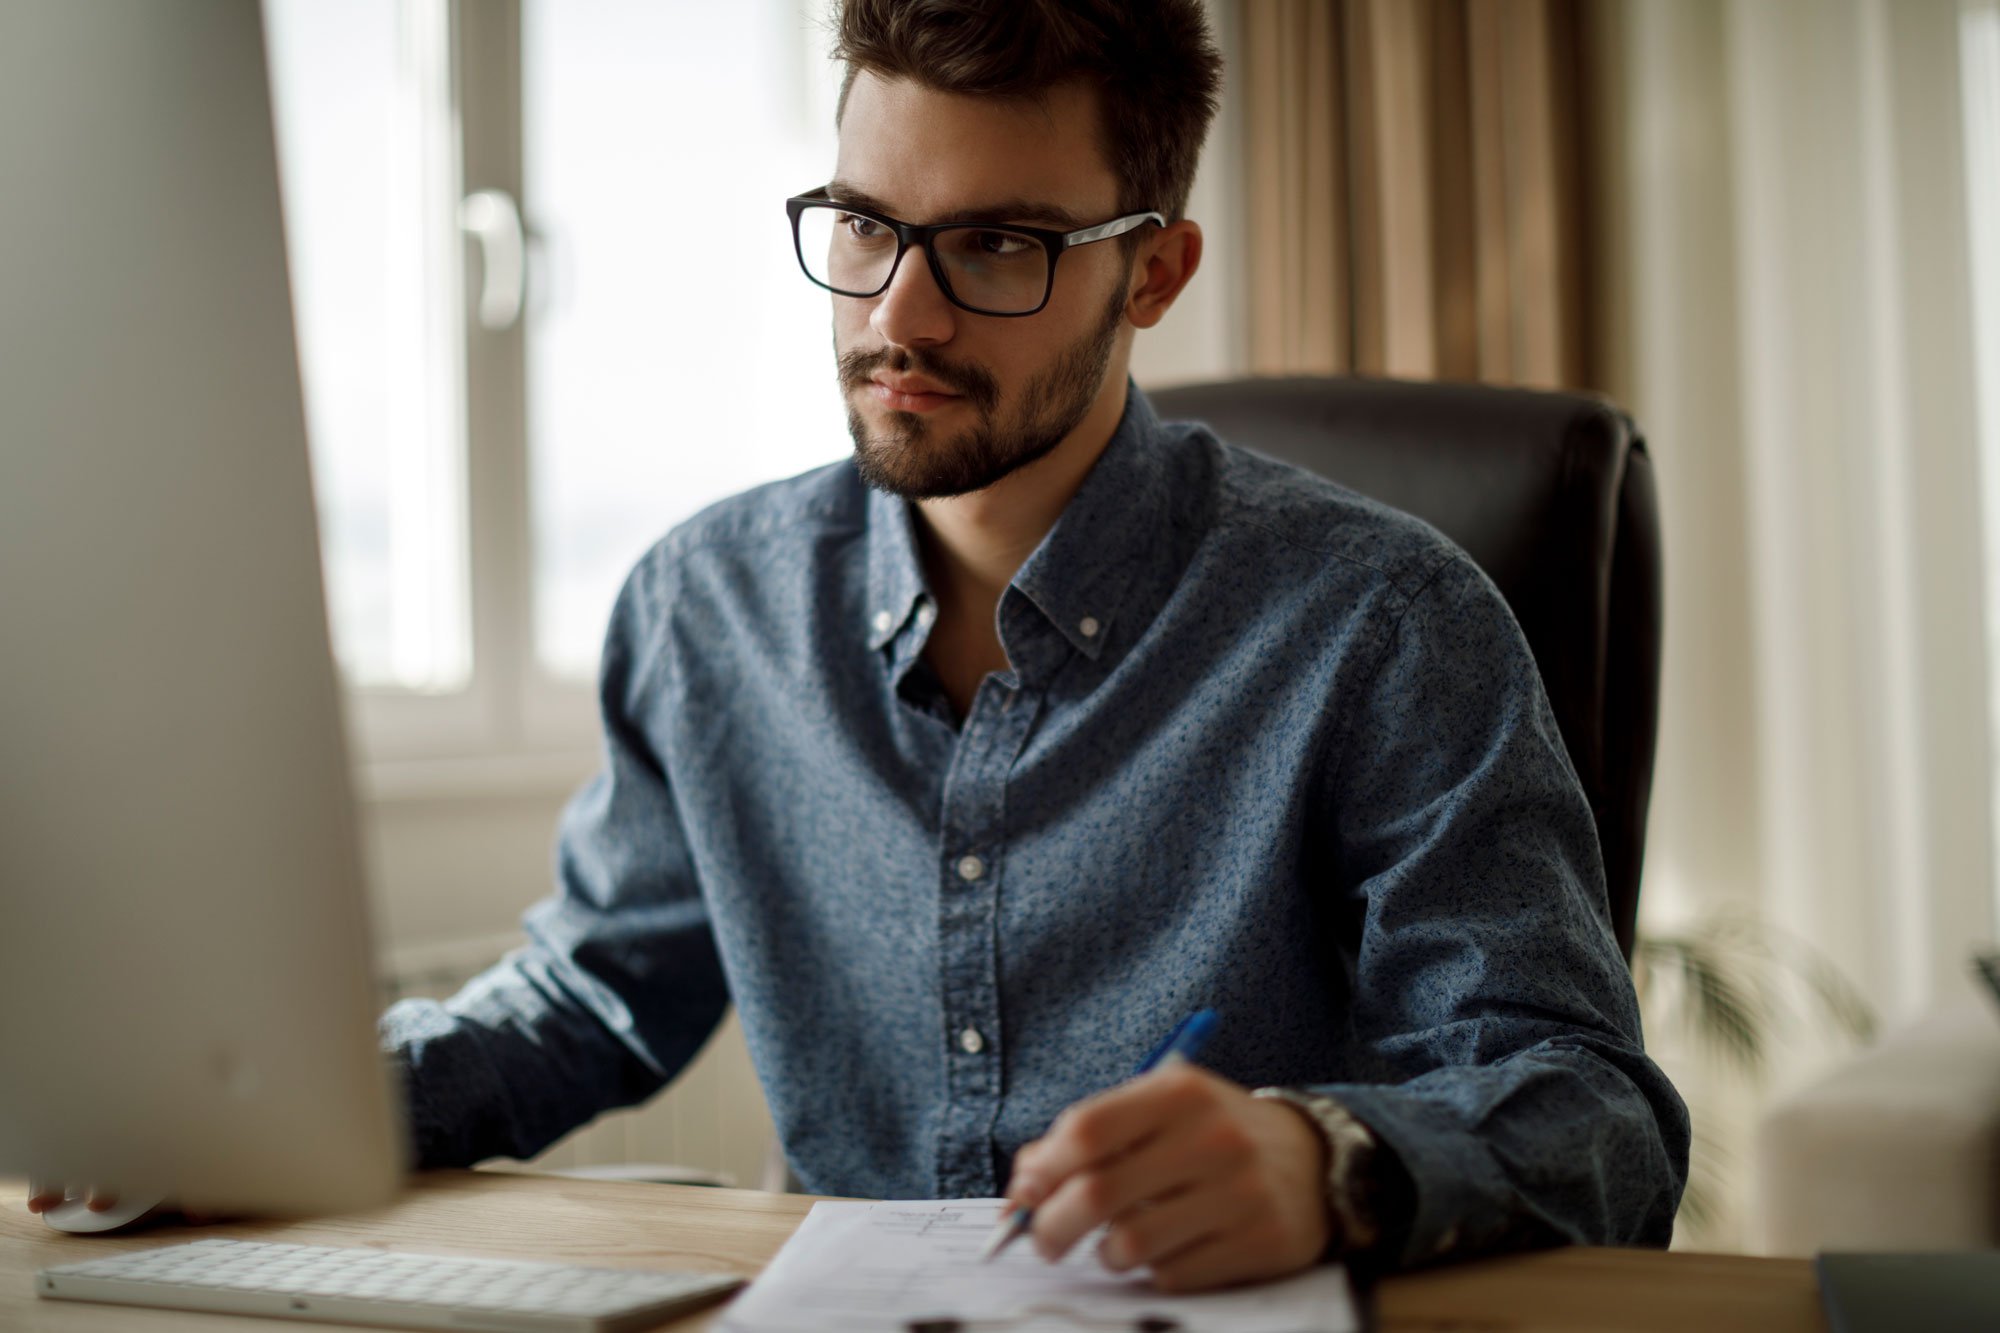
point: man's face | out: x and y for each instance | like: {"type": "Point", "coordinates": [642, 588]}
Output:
{"type": "Point", "coordinates": [942, 401]}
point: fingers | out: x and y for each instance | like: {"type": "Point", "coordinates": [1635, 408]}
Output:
{"type": "Point", "coordinates": [1093, 1196]}
{"type": "Point", "coordinates": [1099, 1128]}
{"type": "Point", "coordinates": [41, 1198]}
{"type": "Point", "coordinates": [1174, 1160]}
{"type": "Point", "coordinates": [1137, 1143]}
{"type": "Point", "coordinates": [1190, 1175]}
{"type": "Point", "coordinates": [1222, 1260]}
{"type": "Point", "coordinates": [1155, 1232]}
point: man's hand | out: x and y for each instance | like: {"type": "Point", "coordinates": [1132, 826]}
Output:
{"type": "Point", "coordinates": [41, 1198]}
{"type": "Point", "coordinates": [1207, 1184]}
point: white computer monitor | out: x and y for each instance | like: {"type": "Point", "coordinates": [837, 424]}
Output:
{"type": "Point", "coordinates": [186, 1003]}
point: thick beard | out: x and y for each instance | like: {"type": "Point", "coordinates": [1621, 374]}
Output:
{"type": "Point", "coordinates": [908, 460]}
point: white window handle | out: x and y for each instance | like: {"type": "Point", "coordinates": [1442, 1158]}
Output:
{"type": "Point", "coordinates": [492, 217]}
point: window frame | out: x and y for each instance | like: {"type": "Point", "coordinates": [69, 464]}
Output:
{"type": "Point", "coordinates": [515, 727]}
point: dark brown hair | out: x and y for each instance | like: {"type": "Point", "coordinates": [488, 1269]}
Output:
{"type": "Point", "coordinates": [1154, 66]}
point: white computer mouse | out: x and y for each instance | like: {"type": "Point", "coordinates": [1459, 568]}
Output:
{"type": "Point", "coordinates": [74, 1214]}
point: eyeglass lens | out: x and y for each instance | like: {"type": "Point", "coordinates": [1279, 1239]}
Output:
{"type": "Point", "coordinates": [987, 268]}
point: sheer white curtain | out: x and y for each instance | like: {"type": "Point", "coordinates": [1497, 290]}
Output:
{"type": "Point", "coordinates": [1792, 274]}
{"type": "Point", "coordinates": [1787, 271]}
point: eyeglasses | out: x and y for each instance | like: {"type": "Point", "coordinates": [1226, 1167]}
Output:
{"type": "Point", "coordinates": [982, 267]}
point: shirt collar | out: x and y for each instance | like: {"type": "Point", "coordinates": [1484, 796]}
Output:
{"type": "Point", "coordinates": [895, 573]}
{"type": "Point", "coordinates": [1081, 574]}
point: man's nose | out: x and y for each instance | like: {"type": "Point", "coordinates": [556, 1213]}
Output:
{"type": "Point", "coordinates": [913, 311]}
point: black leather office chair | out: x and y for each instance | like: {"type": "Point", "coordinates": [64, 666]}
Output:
{"type": "Point", "coordinates": [1552, 493]}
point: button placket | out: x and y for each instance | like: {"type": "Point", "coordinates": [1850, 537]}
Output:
{"type": "Point", "coordinates": [972, 836]}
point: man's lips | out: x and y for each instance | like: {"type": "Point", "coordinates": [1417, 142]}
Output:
{"type": "Point", "coordinates": [906, 394]}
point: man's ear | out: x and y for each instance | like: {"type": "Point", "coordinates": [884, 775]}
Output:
{"type": "Point", "coordinates": [1166, 261]}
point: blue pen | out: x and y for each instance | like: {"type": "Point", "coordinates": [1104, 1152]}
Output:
{"type": "Point", "coordinates": [1183, 1043]}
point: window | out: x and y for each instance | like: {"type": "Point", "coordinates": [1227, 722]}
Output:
{"type": "Point", "coordinates": [546, 311]}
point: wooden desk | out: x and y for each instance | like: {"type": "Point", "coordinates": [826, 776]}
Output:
{"type": "Point", "coordinates": [618, 1224]}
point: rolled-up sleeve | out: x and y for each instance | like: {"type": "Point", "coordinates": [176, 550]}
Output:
{"type": "Point", "coordinates": [618, 984]}
{"type": "Point", "coordinates": [1500, 1038]}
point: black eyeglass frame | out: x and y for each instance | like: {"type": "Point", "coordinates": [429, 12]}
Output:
{"type": "Point", "coordinates": [1056, 243]}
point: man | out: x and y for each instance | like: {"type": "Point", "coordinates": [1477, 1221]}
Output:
{"type": "Point", "coordinates": [966, 768]}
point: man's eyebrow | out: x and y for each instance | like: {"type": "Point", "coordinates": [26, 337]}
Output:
{"type": "Point", "coordinates": [1001, 210]}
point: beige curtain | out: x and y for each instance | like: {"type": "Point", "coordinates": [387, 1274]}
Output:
{"type": "Point", "coordinates": [1415, 202]}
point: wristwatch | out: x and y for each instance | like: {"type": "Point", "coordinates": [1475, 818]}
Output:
{"type": "Point", "coordinates": [1368, 1193]}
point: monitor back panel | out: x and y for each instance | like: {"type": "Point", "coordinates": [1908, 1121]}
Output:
{"type": "Point", "coordinates": [185, 1000]}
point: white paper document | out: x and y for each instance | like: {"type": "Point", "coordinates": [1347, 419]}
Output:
{"type": "Point", "coordinates": [876, 1266]}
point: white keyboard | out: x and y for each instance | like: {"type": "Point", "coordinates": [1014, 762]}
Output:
{"type": "Point", "coordinates": [366, 1286]}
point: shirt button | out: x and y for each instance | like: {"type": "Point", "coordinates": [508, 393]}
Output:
{"type": "Point", "coordinates": [971, 1042]}
{"type": "Point", "coordinates": [1089, 626]}
{"type": "Point", "coordinates": [926, 614]}
{"type": "Point", "coordinates": [969, 869]}
{"type": "Point", "coordinates": [882, 622]}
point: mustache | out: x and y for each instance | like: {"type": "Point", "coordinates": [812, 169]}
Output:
{"type": "Point", "coordinates": [975, 382]}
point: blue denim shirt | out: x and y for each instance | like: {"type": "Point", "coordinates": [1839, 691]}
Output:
{"type": "Point", "coordinates": [1264, 746]}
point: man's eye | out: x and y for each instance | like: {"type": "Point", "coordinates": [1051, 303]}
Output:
{"type": "Point", "coordinates": [860, 228]}
{"type": "Point", "coordinates": [998, 244]}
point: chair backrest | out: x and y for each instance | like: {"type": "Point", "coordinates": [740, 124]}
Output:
{"type": "Point", "coordinates": [1552, 494]}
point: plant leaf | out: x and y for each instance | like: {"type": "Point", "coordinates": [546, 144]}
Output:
{"type": "Point", "coordinates": [1838, 998]}
{"type": "Point", "coordinates": [1731, 1019]}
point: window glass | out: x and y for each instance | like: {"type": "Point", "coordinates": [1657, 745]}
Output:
{"type": "Point", "coordinates": [361, 96]}
{"type": "Point", "coordinates": [675, 352]}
